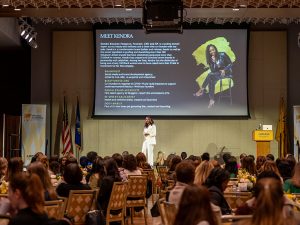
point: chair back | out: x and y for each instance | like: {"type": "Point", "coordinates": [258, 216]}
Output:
{"type": "Point", "coordinates": [233, 219]}
{"type": "Point", "coordinates": [79, 203]}
{"type": "Point", "coordinates": [151, 177]}
{"type": "Point", "coordinates": [137, 186]}
{"type": "Point", "coordinates": [167, 211]}
{"type": "Point", "coordinates": [163, 172]}
{"type": "Point", "coordinates": [54, 209]}
{"type": "Point", "coordinates": [4, 219]}
{"type": "Point", "coordinates": [236, 199]}
{"type": "Point", "coordinates": [117, 202]}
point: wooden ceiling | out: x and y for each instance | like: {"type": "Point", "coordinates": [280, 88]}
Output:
{"type": "Point", "coordinates": [129, 11]}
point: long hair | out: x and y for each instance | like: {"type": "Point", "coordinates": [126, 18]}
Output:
{"type": "Point", "coordinates": [269, 202]}
{"type": "Point", "coordinates": [31, 189]}
{"type": "Point", "coordinates": [195, 207]}
{"type": "Point", "coordinates": [249, 165]}
{"type": "Point", "coordinates": [151, 121]}
{"type": "Point", "coordinates": [202, 172]}
{"type": "Point", "coordinates": [112, 169]}
{"type": "Point", "coordinates": [208, 56]}
{"type": "Point", "coordinates": [217, 177]}
{"type": "Point", "coordinates": [130, 163]}
{"type": "Point", "coordinates": [270, 166]}
{"type": "Point", "coordinates": [15, 165]}
{"type": "Point", "coordinates": [296, 176]}
{"type": "Point", "coordinates": [39, 169]}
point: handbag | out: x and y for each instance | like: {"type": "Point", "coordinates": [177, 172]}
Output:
{"type": "Point", "coordinates": [95, 217]}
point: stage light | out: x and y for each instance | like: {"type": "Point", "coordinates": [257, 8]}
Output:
{"type": "Point", "coordinates": [28, 32]}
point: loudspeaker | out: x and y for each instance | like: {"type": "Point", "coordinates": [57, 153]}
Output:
{"type": "Point", "coordinates": [163, 15]}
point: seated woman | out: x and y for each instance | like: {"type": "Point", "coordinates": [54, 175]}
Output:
{"type": "Point", "coordinates": [39, 169]}
{"type": "Point", "coordinates": [72, 180]}
{"type": "Point", "coordinates": [195, 203]}
{"type": "Point", "coordinates": [269, 205]}
{"type": "Point", "coordinates": [231, 167]}
{"type": "Point", "coordinates": [130, 166]}
{"type": "Point", "coordinates": [97, 173]}
{"type": "Point", "coordinates": [112, 175]}
{"type": "Point", "coordinates": [293, 185]}
{"type": "Point", "coordinates": [216, 183]}
{"type": "Point", "coordinates": [15, 166]}
{"type": "Point", "coordinates": [26, 196]}
{"type": "Point", "coordinates": [202, 172]}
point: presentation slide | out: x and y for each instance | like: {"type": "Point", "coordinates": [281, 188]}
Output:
{"type": "Point", "coordinates": [201, 72]}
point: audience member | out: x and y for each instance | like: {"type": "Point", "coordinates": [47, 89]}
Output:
{"type": "Point", "coordinates": [130, 166]}
{"type": "Point", "coordinates": [270, 157]}
{"type": "Point", "coordinates": [293, 185]}
{"type": "Point", "coordinates": [231, 167]}
{"type": "Point", "coordinates": [202, 172]}
{"type": "Point", "coordinates": [97, 173]}
{"type": "Point", "coordinates": [205, 156]}
{"type": "Point", "coordinates": [119, 160]}
{"type": "Point", "coordinates": [174, 162]}
{"type": "Point", "coordinates": [194, 208]}
{"type": "Point", "coordinates": [183, 155]}
{"type": "Point", "coordinates": [142, 161]}
{"type": "Point", "coordinates": [15, 166]}
{"type": "Point", "coordinates": [249, 165]}
{"type": "Point", "coordinates": [259, 163]}
{"type": "Point", "coordinates": [160, 159]}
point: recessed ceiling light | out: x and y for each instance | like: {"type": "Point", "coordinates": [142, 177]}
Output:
{"type": "Point", "coordinates": [243, 5]}
{"type": "Point", "coordinates": [235, 9]}
{"type": "Point", "coordinates": [17, 9]}
{"type": "Point", "coordinates": [128, 9]}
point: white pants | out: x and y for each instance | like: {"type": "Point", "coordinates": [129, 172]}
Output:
{"type": "Point", "coordinates": [147, 149]}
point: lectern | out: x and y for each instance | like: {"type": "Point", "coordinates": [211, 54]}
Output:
{"type": "Point", "coordinates": [262, 138]}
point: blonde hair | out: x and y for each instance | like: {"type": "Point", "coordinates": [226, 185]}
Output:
{"type": "Point", "coordinates": [202, 172]}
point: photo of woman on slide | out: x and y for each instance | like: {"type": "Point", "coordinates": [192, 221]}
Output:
{"type": "Point", "coordinates": [220, 66]}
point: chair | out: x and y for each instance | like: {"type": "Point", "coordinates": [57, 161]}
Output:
{"type": "Point", "coordinates": [95, 202]}
{"type": "Point", "coordinates": [236, 199]}
{"type": "Point", "coordinates": [54, 209]}
{"type": "Point", "coordinates": [117, 201]}
{"type": "Point", "coordinates": [151, 176]}
{"type": "Point", "coordinates": [79, 203]}
{"type": "Point", "coordinates": [137, 187]}
{"type": "Point", "coordinates": [167, 211]}
{"type": "Point", "coordinates": [4, 219]}
{"type": "Point", "coordinates": [232, 219]}
{"type": "Point", "coordinates": [225, 84]}
{"type": "Point", "coordinates": [163, 173]}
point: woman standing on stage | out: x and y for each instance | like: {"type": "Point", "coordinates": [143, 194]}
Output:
{"type": "Point", "coordinates": [149, 139]}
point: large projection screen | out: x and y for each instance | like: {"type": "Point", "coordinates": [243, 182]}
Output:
{"type": "Point", "coordinates": [201, 72]}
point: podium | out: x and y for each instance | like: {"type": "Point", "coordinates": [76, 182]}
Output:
{"type": "Point", "coordinates": [262, 138]}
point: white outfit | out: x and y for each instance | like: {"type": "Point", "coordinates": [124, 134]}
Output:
{"type": "Point", "coordinates": [149, 142]}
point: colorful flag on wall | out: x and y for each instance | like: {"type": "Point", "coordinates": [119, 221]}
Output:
{"type": "Point", "coordinates": [77, 128]}
{"type": "Point", "coordinates": [66, 132]}
{"type": "Point", "coordinates": [281, 135]}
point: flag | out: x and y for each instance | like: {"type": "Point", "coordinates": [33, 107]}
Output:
{"type": "Point", "coordinates": [281, 135]}
{"type": "Point", "coordinates": [66, 132]}
{"type": "Point", "coordinates": [77, 128]}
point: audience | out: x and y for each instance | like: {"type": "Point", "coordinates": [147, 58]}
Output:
{"type": "Point", "coordinates": [205, 156]}
{"type": "Point", "coordinates": [293, 185]}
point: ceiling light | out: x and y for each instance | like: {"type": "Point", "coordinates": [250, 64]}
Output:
{"type": "Point", "coordinates": [5, 3]}
{"type": "Point", "coordinates": [235, 9]}
{"type": "Point", "coordinates": [118, 3]}
{"type": "Point", "coordinates": [17, 9]}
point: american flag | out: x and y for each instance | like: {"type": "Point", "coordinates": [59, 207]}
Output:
{"type": "Point", "coordinates": [66, 132]}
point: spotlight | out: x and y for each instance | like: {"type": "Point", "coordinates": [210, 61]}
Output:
{"type": "Point", "coordinates": [28, 33]}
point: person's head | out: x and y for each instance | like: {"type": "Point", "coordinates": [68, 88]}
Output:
{"type": "Point", "coordinates": [125, 153]}
{"type": "Point", "coordinates": [83, 161]}
{"type": "Point", "coordinates": [141, 159]}
{"type": "Point", "coordinates": [242, 156]}
{"type": "Point", "coordinates": [148, 121]}
{"type": "Point", "coordinates": [218, 177]}
{"type": "Point", "coordinates": [183, 155]}
{"type": "Point", "coordinates": [54, 166]}
{"type": "Point", "coordinates": [73, 174]}
{"type": "Point", "coordinates": [160, 159]}
{"type": "Point", "coordinates": [270, 157]}
{"type": "Point", "coordinates": [231, 166]}
{"type": "Point", "coordinates": [211, 51]}
{"type": "Point", "coordinates": [291, 160]}
{"type": "Point", "coordinates": [259, 162]}
{"type": "Point", "coordinates": [63, 161]}
{"type": "Point", "coordinates": [268, 174]}
{"type": "Point", "coordinates": [91, 156]}
{"type": "Point", "coordinates": [284, 169]}
{"type": "Point", "coordinates": [36, 156]}
{"type": "Point", "coordinates": [98, 167]}
{"type": "Point", "coordinates": [54, 158]}
{"type": "Point", "coordinates": [174, 162]}
{"type": "Point", "coordinates": [71, 159]}
{"type": "Point", "coordinates": [202, 172]}
{"type": "Point", "coordinates": [15, 165]}
{"type": "Point", "coordinates": [269, 202]}
{"type": "Point", "coordinates": [130, 163]}
{"type": "Point", "coordinates": [39, 169]}
{"type": "Point", "coordinates": [185, 172]}
{"type": "Point", "coordinates": [195, 203]}
{"type": "Point", "coordinates": [249, 165]}
{"type": "Point", "coordinates": [205, 156]}
{"type": "Point", "coordinates": [118, 158]}
{"type": "Point", "coordinates": [26, 191]}
{"type": "Point", "coordinates": [270, 166]}
{"type": "Point", "coordinates": [3, 166]}
{"type": "Point", "coordinates": [44, 160]}
{"type": "Point", "coordinates": [112, 169]}
{"type": "Point", "coordinates": [226, 157]}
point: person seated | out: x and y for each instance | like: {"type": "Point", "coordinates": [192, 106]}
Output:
{"type": "Point", "coordinates": [15, 166]}
{"type": "Point", "coordinates": [142, 162]}
{"type": "Point", "coordinates": [119, 160]}
{"type": "Point", "coordinates": [130, 166]}
{"type": "Point", "coordinates": [26, 197]}
{"type": "Point", "coordinates": [97, 173]}
{"type": "Point", "coordinates": [293, 185]}
{"type": "Point", "coordinates": [195, 203]}
{"type": "Point", "coordinates": [39, 169]}
{"type": "Point", "coordinates": [216, 183]}
{"type": "Point", "coordinates": [202, 172]}
{"type": "Point", "coordinates": [269, 205]}
{"type": "Point", "coordinates": [231, 167]}
{"type": "Point", "coordinates": [72, 180]}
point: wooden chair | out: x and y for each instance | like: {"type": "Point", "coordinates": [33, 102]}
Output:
{"type": "Point", "coordinates": [117, 201]}
{"type": "Point", "coordinates": [163, 173]}
{"type": "Point", "coordinates": [54, 209]}
{"type": "Point", "coordinates": [79, 203]}
{"type": "Point", "coordinates": [137, 187]}
{"type": "Point", "coordinates": [167, 211]}
{"type": "Point", "coordinates": [151, 177]}
{"type": "Point", "coordinates": [94, 205]}
{"type": "Point", "coordinates": [236, 199]}
{"type": "Point", "coordinates": [4, 219]}
{"type": "Point", "coordinates": [232, 219]}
